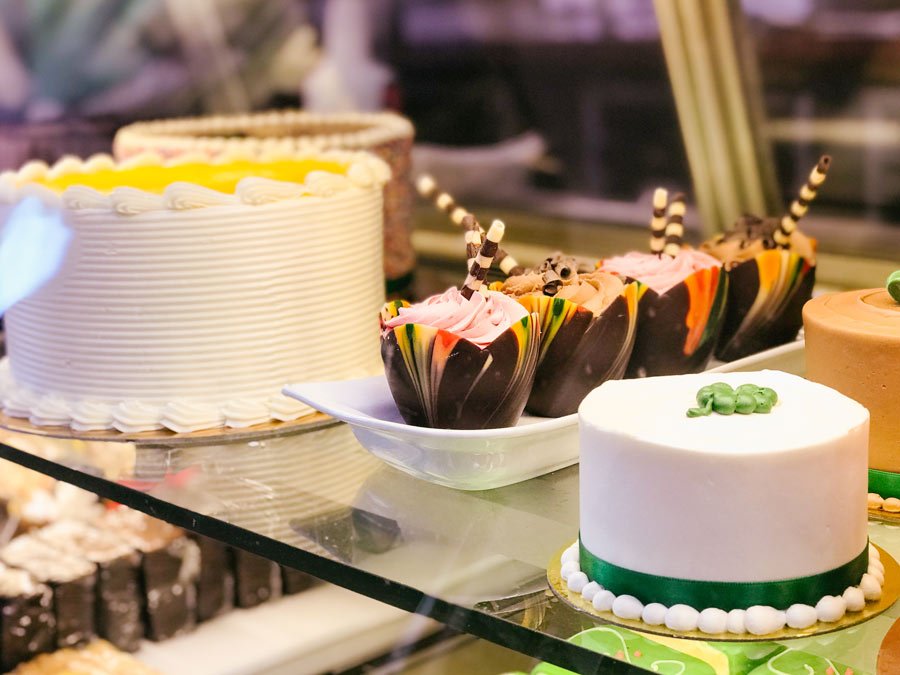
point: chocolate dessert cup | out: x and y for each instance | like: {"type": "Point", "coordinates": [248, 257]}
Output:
{"type": "Point", "coordinates": [677, 331]}
{"type": "Point", "coordinates": [442, 381]}
{"type": "Point", "coordinates": [579, 350]}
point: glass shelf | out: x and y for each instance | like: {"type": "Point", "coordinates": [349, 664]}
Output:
{"type": "Point", "coordinates": [318, 502]}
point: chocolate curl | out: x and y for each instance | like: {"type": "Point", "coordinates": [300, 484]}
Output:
{"type": "Point", "coordinates": [675, 225]}
{"type": "Point", "coordinates": [427, 186]}
{"type": "Point", "coordinates": [552, 282]}
{"type": "Point", "coordinates": [658, 222]}
{"type": "Point", "coordinates": [800, 205]}
{"type": "Point", "coordinates": [481, 264]}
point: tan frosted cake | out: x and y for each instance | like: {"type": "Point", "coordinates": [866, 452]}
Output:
{"type": "Point", "coordinates": [853, 345]}
{"type": "Point", "coordinates": [385, 134]}
{"type": "Point", "coordinates": [193, 292]}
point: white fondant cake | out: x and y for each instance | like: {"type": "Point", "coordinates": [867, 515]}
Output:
{"type": "Point", "coordinates": [740, 500]}
{"type": "Point", "coordinates": [193, 292]}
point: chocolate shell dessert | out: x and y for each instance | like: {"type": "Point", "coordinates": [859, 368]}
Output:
{"type": "Point", "coordinates": [463, 359]}
{"type": "Point", "coordinates": [681, 298]}
{"type": "Point", "coordinates": [771, 267]}
{"type": "Point", "coordinates": [587, 319]}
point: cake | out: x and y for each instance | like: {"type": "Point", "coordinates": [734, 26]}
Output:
{"type": "Point", "coordinates": [587, 319]}
{"type": "Point", "coordinates": [27, 624]}
{"type": "Point", "coordinates": [853, 345]}
{"type": "Point", "coordinates": [771, 268]}
{"type": "Point", "coordinates": [680, 299]}
{"type": "Point", "coordinates": [193, 292]}
{"type": "Point", "coordinates": [463, 359]}
{"type": "Point", "coordinates": [723, 522]}
{"type": "Point", "coordinates": [385, 134]}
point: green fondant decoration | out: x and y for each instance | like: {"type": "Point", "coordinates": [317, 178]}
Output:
{"type": "Point", "coordinates": [794, 662]}
{"type": "Point", "coordinates": [721, 398]}
{"type": "Point", "coordinates": [884, 483]}
{"type": "Point", "coordinates": [893, 285]}
{"type": "Point", "coordinates": [722, 594]}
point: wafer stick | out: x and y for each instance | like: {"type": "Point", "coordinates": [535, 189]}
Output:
{"type": "Point", "coordinates": [658, 222]}
{"type": "Point", "coordinates": [675, 225]}
{"type": "Point", "coordinates": [427, 187]}
{"type": "Point", "coordinates": [801, 204]}
{"type": "Point", "coordinates": [481, 264]}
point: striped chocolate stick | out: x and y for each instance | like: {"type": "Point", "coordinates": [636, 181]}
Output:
{"type": "Point", "coordinates": [800, 205]}
{"type": "Point", "coordinates": [427, 187]}
{"type": "Point", "coordinates": [675, 225]}
{"type": "Point", "coordinates": [481, 264]}
{"type": "Point", "coordinates": [658, 222]}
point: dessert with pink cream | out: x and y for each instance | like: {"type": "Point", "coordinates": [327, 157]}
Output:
{"type": "Point", "coordinates": [464, 359]}
{"type": "Point", "coordinates": [681, 298]}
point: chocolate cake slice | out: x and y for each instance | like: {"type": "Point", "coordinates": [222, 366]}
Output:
{"type": "Point", "coordinates": [27, 624]}
{"type": "Point", "coordinates": [119, 597]}
{"type": "Point", "coordinates": [73, 581]}
{"type": "Point", "coordinates": [294, 581]}
{"type": "Point", "coordinates": [215, 583]}
{"type": "Point", "coordinates": [170, 564]}
{"type": "Point", "coordinates": [257, 579]}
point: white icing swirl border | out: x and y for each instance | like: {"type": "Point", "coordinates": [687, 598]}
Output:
{"type": "Point", "coordinates": [364, 171]}
{"type": "Point", "coordinates": [193, 133]}
{"type": "Point", "coordinates": [758, 620]}
{"type": "Point", "coordinates": [181, 415]}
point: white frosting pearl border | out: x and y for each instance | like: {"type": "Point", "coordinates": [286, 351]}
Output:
{"type": "Point", "coordinates": [879, 503]}
{"type": "Point", "coordinates": [756, 620]}
{"type": "Point", "coordinates": [363, 171]}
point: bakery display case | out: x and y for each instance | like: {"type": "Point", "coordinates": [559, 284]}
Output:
{"type": "Point", "coordinates": [201, 360]}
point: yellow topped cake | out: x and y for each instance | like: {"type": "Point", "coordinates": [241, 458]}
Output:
{"type": "Point", "coordinates": [386, 134]}
{"type": "Point", "coordinates": [193, 291]}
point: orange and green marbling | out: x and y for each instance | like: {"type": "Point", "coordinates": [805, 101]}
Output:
{"type": "Point", "coordinates": [440, 380]}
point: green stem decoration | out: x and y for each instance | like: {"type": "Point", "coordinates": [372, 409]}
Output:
{"type": "Point", "coordinates": [745, 400]}
{"type": "Point", "coordinates": [893, 285]}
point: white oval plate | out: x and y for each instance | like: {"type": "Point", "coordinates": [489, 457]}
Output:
{"type": "Point", "coordinates": [465, 459]}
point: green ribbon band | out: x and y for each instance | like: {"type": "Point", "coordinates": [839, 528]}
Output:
{"type": "Point", "coordinates": [725, 595]}
{"type": "Point", "coordinates": [884, 483]}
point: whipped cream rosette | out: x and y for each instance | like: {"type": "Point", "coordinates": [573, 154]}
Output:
{"type": "Point", "coordinates": [680, 307]}
{"type": "Point", "coordinates": [459, 363]}
{"type": "Point", "coordinates": [771, 267]}
{"type": "Point", "coordinates": [587, 321]}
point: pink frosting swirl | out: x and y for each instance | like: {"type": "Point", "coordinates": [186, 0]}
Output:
{"type": "Point", "coordinates": [659, 272]}
{"type": "Point", "coordinates": [480, 320]}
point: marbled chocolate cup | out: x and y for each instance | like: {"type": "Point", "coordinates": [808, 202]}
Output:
{"type": "Point", "coordinates": [677, 331]}
{"type": "Point", "coordinates": [579, 351]}
{"type": "Point", "coordinates": [766, 295]}
{"type": "Point", "coordinates": [442, 381]}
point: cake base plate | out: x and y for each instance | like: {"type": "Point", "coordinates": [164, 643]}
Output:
{"type": "Point", "coordinates": [170, 439]}
{"type": "Point", "coordinates": [889, 594]}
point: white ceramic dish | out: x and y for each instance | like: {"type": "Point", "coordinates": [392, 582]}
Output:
{"type": "Point", "coordinates": [791, 358]}
{"type": "Point", "coordinates": [465, 459]}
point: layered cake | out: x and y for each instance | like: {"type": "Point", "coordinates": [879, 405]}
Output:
{"type": "Point", "coordinates": [671, 465]}
{"type": "Point", "coordinates": [853, 345]}
{"type": "Point", "coordinates": [385, 134]}
{"type": "Point", "coordinates": [193, 292]}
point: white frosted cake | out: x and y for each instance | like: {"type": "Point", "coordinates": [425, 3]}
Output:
{"type": "Point", "coordinates": [193, 292]}
{"type": "Point", "coordinates": [723, 522]}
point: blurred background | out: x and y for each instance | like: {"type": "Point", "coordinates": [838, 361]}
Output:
{"type": "Point", "coordinates": [573, 110]}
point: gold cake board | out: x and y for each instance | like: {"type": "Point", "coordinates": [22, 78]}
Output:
{"type": "Point", "coordinates": [170, 439]}
{"type": "Point", "coordinates": [889, 594]}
